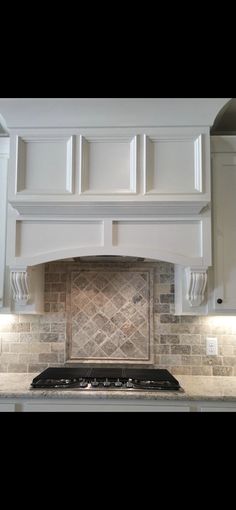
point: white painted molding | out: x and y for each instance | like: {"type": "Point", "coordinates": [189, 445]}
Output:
{"type": "Point", "coordinates": [20, 286]}
{"type": "Point", "coordinates": [177, 240]}
{"type": "Point", "coordinates": [4, 155]}
{"type": "Point", "coordinates": [87, 112]}
{"type": "Point", "coordinates": [198, 163]}
{"type": "Point", "coordinates": [196, 285]}
{"type": "Point", "coordinates": [107, 209]}
{"type": "Point", "coordinates": [4, 146]}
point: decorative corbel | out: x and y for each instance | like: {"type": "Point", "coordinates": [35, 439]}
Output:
{"type": "Point", "coordinates": [20, 286]}
{"type": "Point", "coordinates": [196, 285]}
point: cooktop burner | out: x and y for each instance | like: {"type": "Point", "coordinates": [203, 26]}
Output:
{"type": "Point", "coordinates": [106, 379]}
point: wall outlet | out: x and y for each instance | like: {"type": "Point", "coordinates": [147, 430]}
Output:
{"type": "Point", "coordinates": [211, 346]}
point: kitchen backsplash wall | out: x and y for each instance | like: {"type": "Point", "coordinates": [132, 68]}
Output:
{"type": "Point", "coordinates": [32, 343]}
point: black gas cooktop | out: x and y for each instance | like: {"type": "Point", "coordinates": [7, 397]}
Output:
{"type": "Point", "coordinates": [106, 379]}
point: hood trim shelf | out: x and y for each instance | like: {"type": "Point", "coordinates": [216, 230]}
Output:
{"type": "Point", "coordinates": [108, 209]}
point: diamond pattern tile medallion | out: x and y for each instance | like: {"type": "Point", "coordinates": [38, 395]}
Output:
{"type": "Point", "coordinates": [110, 314]}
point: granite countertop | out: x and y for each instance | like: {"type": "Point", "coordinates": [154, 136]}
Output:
{"type": "Point", "coordinates": [17, 386]}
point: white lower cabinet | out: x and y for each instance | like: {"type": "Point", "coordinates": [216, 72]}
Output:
{"type": "Point", "coordinates": [218, 409]}
{"type": "Point", "coordinates": [112, 407]}
{"type": "Point", "coordinates": [71, 406]}
{"type": "Point", "coordinates": [7, 408]}
{"type": "Point", "coordinates": [40, 406]}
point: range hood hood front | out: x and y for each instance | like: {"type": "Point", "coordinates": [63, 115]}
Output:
{"type": "Point", "coordinates": [130, 179]}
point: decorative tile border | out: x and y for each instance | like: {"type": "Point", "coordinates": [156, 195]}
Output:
{"type": "Point", "coordinates": [110, 314]}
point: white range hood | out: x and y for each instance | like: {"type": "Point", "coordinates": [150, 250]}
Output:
{"type": "Point", "coordinates": [124, 177]}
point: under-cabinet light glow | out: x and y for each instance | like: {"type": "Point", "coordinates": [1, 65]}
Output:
{"type": "Point", "coordinates": [228, 321]}
{"type": "Point", "coordinates": [7, 319]}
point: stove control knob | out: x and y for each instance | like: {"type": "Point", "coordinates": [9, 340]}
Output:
{"type": "Point", "coordinates": [94, 383]}
{"type": "Point", "coordinates": [66, 381]}
{"type": "Point", "coordinates": [106, 383]}
{"type": "Point", "coordinates": [83, 384]}
{"type": "Point", "coordinates": [129, 384]}
{"type": "Point", "coordinates": [118, 383]}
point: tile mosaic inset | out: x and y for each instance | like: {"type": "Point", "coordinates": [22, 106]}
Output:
{"type": "Point", "coordinates": [110, 314]}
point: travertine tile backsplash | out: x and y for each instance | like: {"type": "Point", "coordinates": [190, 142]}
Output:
{"type": "Point", "coordinates": [32, 343]}
{"type": "Point", "coordinates": [110, 313]}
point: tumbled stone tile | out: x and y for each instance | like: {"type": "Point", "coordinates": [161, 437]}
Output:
{"type": "Point", "coordinates": [108, 347]}
{"type": "Point", "coordinates": [167, 298]}
{"type": "Point", "coordinates": [183, 370]}
{"type": "Point", "coordinates": [58, 327]}
{"type": "Point", "coordinates": [161, 308]}
{"type": "Point", "coordinates": [167, 318]}
{"type": "Point", "coordinates": [170, 359]}
{"type": "Point", "coordinates": [229, 361]}
{"type": "Point", "coordinates": [30, 357]}
{"type": "Point", "coordinates": [191, 360]}
{"type": "Point", "coordinates": [48, 357]}
{"type": "Point", "coordinates": [222, 370]}
{"type": "Point", "coordinates": [212, 360]}
{"type": "Point", "coordinates": [48, 337]}
{"type": "Point", "coordinates": [190, 339]}
{"type": "Point", "coordinates": [203, 370]}
{"type": "Point", "coordinates": [36, 327]}
{"type": "Point", "coordinates": [37, 367]}
{"type": "Point", "coordinates": [180, 349]}
{"type": "Point", "coordinates": [29, 337]}
{"type": "Point", "coordinates": [41, 347]}
{"type": "Point", "coordinates": [128, 349]}
{"type": "Point", "coordinates": [162, 349]}
{"type": "Point", "coordinates": [58, 347]}
{"type": "Point", "coordinates": [169, 339]}
{"type": "Point", "coordinates": [198, 349]}
{"type": "Point", "coordinates": [99, 337]}
{"type": "Point", "coordinates": [20, 347]}
{"type": "Point", "coordinates": [166, 278]}
{"type": "Point", "coordinates": [20, 327]}
{"type": "Point", "coordinates": [17, 367]}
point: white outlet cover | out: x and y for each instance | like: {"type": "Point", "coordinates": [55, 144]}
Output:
{"type": "Point", "coordinates": [211, 346]}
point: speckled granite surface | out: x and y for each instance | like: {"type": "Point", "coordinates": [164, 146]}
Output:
{"type": "Point", "coordinates": [17, 386]}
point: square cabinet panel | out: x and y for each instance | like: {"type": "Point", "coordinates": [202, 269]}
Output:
{"type": "Point", "coordinates": [173, 166]}
{"type": "Point", "coordinates": [107, 165]}
{"type": "Point", "coordinates": [44, 165]}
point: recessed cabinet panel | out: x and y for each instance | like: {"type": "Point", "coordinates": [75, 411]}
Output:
{"type": "Point", "coordinates": [44, 165]}
{"type": "Point", "coordinates": [3, 193]}
{"type": "Point", "coordinates": [163, 238]}
{"type": "Point", "coordinates": [103, 407]}
{"type": "Point", "coordinates": [34, 238]}
{"type": "Point", "coordinates": [224, 210]}
{"type": "Point", "coordinates": [173, 166]}
{"type": "Point", "coordinates": [4, 151]}
{"type": "Point", "coordinates": [217, 409]}
{"type": "Point", "coordinates": [108, 165]}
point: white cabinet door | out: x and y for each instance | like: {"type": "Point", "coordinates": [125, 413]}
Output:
{"type": "Point", "coordinates": [7, 408]}
{"type": "Point", "coordinates": [102, 407]}
{"type": "Point", "coordinates": [4, 153]}
{"type": "Point", "coordinates": [224, 228]}
{"type": "Point", "coordinates": [217, 409]}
